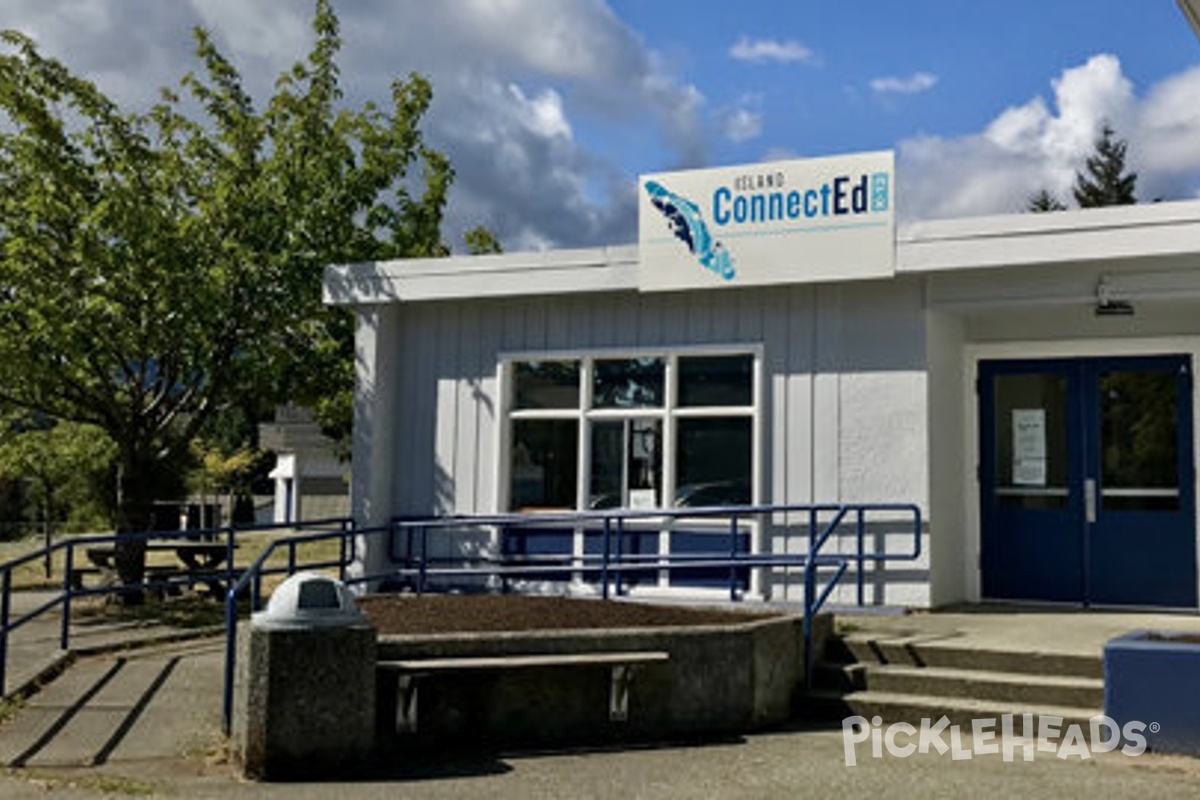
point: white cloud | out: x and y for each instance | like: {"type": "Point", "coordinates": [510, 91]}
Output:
{"type": "Point", "coordinates": [759, 51]}
{"type": "Point", "coordinates": [1041, 144]}
{"type": "Point", "coordinates": [741, 124]}
{"type": "Point", "coordinates": [916, 83]}
{"type": "Point", "coordinates": [511, 79]}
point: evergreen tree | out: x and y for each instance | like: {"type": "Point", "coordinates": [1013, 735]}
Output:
{"type": "Point", "coordinates": [1104, 181]}
{"type": "Point", "coordinates": [1044, 201]}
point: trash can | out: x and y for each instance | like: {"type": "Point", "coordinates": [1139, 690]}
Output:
{"type": "Point", "coordinates": [308, 683]}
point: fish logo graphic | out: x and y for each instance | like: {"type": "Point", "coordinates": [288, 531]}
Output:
{"type": "Point", "coordinates": [687, 224]}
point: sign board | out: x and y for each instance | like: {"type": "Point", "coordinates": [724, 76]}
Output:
{"type": "Point", "coordinates": [1029, 446]}
{"type": "Point", "coordinates": [803, 221]}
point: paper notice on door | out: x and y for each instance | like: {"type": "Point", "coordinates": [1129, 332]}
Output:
{"type": "Point", "coordinates": [1029, 446]}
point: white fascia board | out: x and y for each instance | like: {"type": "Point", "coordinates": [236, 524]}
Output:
{"type": "Point", "coordinates": [501, 275]}
{"type": "Point", "coordinates": [1155, 235]}
{"type": "Point", "coordinates": [1191, 10]}
{"type": "Point", "coordinates": [1081, 236]}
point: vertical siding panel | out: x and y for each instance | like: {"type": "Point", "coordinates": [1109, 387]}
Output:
{"type": "Point", "coordinates": [445, 350]}
{"type": "Point", "coordinates": [801, 322]}
{"type": "Point", "coordinates": [512, 335]}
{"type": "Point", "coordinates": [602, 322]}
{"type": "Point", "coordinates": [826, 416]}
{"type": "Point", "coordinates": [467, 401]}
{"type": "Point", "coordinates": [423, 420]}
{"type": "Point", "coordinates": [777, 431]}
{"type": "Point", "coordinates": [535, 325]}
{"type": "Point", "coordinates": [724, 309]}
{"type": "Point", "coordinates": [558, 323]}
{"type": "Point", "coordinates": [699, 318]}
{"type": "Point", "coordinates": [487, 403]}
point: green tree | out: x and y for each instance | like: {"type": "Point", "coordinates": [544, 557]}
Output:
{"type": "Point", "coordinates": [157, 269]}
{"type": "Point", "coordinates": [1104, 182]}
{"type": "Point", "coordinates": [66, 465]}
{"type": "Point", "coordinates": [481, 241]}
{"type": "Point", "coordinates": [1044, 201]}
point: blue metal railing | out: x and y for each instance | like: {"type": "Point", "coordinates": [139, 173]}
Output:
{"type": "Point", "coordinates": [71, 587]}
{"type": "Point", "coordinates": [823, 521]}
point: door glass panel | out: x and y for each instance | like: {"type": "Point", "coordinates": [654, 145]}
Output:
{"type": "Point", "coordinates": [1139, 441]}
{"type": "Point", "coordinates": [1032, 464]}
{"type": "Point", "coordinates": [626, 464]}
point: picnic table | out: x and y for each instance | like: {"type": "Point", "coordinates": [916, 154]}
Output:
{"type": "Point", "coordinates": [198, 562]}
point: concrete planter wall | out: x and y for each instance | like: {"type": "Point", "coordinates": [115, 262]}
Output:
{"type": "Point", "coordinates": [725, 678]}
{"type": "Point", "coordinates": [1154, 678]}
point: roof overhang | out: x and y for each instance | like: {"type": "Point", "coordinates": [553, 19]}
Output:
{"type": "Point", "coordinates": [1191, 10]}
{"type": "Point", "coordinates": [1149, 236]}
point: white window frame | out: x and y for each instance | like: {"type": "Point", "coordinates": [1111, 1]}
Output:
{"type": "Point", "coordinates": [669, 413]}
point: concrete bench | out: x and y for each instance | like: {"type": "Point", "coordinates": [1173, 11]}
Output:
{"type": "Point", "coordinates": [408, 674]}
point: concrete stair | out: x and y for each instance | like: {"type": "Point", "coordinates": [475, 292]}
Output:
{"type": "Point", "coordinates": [910, 678]}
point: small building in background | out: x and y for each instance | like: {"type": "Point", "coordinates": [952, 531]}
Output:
{"type": "Point", "coordinates": [311, 480]}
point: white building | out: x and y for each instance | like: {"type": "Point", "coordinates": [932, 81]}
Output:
{"type": "Point", "coordinates": [310, 479]}
{"type": "Point", "coordinates": [1024, 379]}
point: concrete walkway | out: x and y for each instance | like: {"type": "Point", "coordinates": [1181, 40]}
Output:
{"type": "Point", "coordinates": [1019, 629]}
{"type": "Point", "coordinates": [146, 722]}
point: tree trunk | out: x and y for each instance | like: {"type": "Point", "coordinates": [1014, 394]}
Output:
{"type": "Point", "coordinates": [143, 481]}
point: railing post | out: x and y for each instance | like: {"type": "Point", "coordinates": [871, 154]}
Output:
{"type": "Point", "coordinates": [291, 564]}
{"type": "Point", "coordinates": [230, 658]}
{"type": "Point", "coordinates": [733, 528]}
{"type": "Point", "coordinates": [421, 561]}
{"type": "Point", "coordinates": [4, 613]}
{"type": "Point", "coordinates": [604, 561]}
{"type": "Point", "coordinates": [620, 554]}
{"type": "Point", "coordinates": [230, 571]}
{"type": "Point", "coordinates": [64, 635]}
{"type": "Point", "coordinates": [860, 533]}
{"type": "Point", "coordinates": [342, 547]}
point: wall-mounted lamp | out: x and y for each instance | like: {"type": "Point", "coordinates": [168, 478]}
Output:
{"type": "Point", "coordinates": [1109, 306]}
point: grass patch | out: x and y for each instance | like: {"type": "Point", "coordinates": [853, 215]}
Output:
{"type": "Point", "coordinates": [108, 785]}
{"type": "Point", "coordinates": [189, 611]}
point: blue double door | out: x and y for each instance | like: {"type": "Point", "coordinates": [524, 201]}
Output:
{"type": "Point", "coordinates": [1087, 484]}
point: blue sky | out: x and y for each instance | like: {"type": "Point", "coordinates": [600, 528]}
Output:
{"type": "Point", "coordinates": [549, 109]}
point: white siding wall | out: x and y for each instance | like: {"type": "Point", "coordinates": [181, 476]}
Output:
{"type": "Point", "coordinates": [844, 387]}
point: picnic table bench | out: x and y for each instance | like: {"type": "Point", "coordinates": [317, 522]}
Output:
{"type": "Point", "coordinates": [199, 561]}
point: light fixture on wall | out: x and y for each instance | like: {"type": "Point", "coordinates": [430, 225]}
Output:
{"type": "Point", "coordinates": [1109, 306]}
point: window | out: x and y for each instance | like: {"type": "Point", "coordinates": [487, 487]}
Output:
{"type": "Point", "coordinates": [631, 431]}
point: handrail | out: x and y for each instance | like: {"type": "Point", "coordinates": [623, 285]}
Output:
{"type": "Point", "coordinates": [605, 563]}
{"type": "Point", "coordinates": [68, 592]}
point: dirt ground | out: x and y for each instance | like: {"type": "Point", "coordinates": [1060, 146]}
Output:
{"type": "Point", "coordinates": [411, 614]}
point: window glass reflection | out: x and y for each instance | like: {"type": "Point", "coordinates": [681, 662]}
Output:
{"type": "Point", "coordinates": [628, 383]}
{"type": "Point", "coordinates": [546, 384]}
{"type": "Point", "coordinates": [716, 381]}
{"type": "Point", "coordinates": [713, 462]}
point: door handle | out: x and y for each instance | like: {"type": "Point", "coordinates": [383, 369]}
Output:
{"type": "Point", "coordinates": [1089, 500]}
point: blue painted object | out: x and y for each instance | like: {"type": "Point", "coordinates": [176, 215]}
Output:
{"type": "Point", "coordinates": [1154, 677]}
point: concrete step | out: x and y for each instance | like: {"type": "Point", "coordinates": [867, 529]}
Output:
{"type": "Point", "coordinates": [913, 708]}
{"type": "Point", "coordinates": [1013, 687]}
{"type": "Point", "coordinates": [925, 651]}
